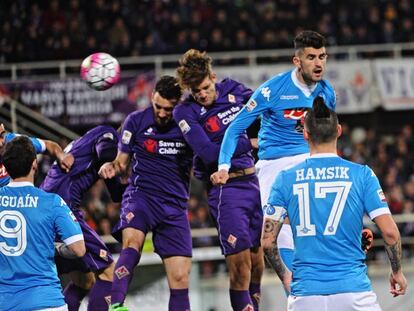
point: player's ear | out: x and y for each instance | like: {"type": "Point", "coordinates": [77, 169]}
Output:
{"type": "Point", "coordinates": [213, 77]}
{"type": "Point", "coordinates": [305, 135]}
{"type": "Point", "coordinates": [296, 61]}
{"type": "Point", "coordinates": [34, 165]}
{"type": "Point", "coordinates": [339, 130]}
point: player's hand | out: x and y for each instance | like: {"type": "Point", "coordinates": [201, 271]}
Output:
{"type": "Point", "coordinates": [66, 161]}
{"type": "Point", "coordinates": [255, 143]}
{"type": "Point", "coordinates": [220, 177]}
{"type": "Point", "coordinates": [398, 283]}
{"type": "Point", "coordinates": [367, 240]}
{"type": "Point", "coordinates": [107, 170]}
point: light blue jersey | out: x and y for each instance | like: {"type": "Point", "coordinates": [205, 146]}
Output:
{"type": "Point", "coordinates": [325, 198]}
{"type": "Point", "coordinates": [30, 220]}
{"type": "Point", "coordinates": [38, 144]}
{"type": "Point", "coordinates": [281, 102]}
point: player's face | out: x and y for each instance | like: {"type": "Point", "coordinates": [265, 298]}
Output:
{"type": "Point", "coordinates": [163, 109]}
{"type": "Point", "coordinates": [311, 63]}
{"type": "Point", "coordinates": [205, 93]}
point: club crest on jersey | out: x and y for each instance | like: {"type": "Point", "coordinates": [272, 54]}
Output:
{"type": "Point", "coordinates": [231, 98]}
{"type": "Point", "coordinates": [121, 272]}
{"type": "Point", "coordinates": [265, 91]}
{"type": "Point", "coordinates": [248, 307]}
{"type": "Point", "coordinates": [251, 105]}
{"type": "Point", "coordinates": [381, 195]}
{"type": "Point", "coordinates": [184, 127]}
{"type": "Point", "coordinates": [129, 216]}
{"type": "Point", "coordinates": [126, 137]}
{"type": "Point", "coordinates": [213, 124]}
{"type": "Point", "coordinates": [232, 240]}
{"type": "Point", "coordinates": [150, 145]}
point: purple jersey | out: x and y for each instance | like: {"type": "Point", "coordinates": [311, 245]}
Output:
{"type": "Point", "coordinates": [90, 151]}
{"type": "Point", "coordinates": [161, 159]}
{"type": "Point", "coordinates": [204, 127]}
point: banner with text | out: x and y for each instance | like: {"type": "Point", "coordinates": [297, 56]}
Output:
{"type": "Point", "coordinates": [71, 102]}
{"type": "Point", "coordinates": [396, 83]}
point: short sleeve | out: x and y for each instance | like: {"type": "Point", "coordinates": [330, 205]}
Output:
{"type": "Point", "coordinates": [375, 202]}
{"type": "Point", "coordinates": [66, 224]}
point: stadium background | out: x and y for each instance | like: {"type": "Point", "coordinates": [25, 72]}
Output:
{"type": "Point", "coordinates": [370, 46]}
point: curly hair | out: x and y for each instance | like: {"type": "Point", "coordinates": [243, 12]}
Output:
{"type": "Point", "coordinates": [194, 67]}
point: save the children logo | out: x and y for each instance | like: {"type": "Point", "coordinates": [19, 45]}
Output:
{"type": "Point", "coordinates": [150, 145]}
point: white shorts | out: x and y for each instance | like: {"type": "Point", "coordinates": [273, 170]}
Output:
{"type": "Point", "coordinates": [267, 170]}
{"type": "Point", "coordinates": [61, 308]}
{"type": "Point", "coordinates": [363, 301]}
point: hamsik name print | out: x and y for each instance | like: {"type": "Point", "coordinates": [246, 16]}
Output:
{"type": "Point", "coordinates": [322, 173]}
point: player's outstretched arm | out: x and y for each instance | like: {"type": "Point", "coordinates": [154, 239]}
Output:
{"type": "Point", "coordinates": [65, 159]}
{"type": "Point", "coordinates": [273, 222]}
{"type": "Point", "coordinates": [392, 239]}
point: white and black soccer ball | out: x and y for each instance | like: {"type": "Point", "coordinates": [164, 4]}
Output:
{"type": "Point", "coordinates": [100, 71]}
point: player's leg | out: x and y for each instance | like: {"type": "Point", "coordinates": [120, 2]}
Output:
{"type": "Point", "coordinates": [178, 269]}
{"type": "Point", "coordinates": [256, 255]}
{"type": "Point", "coordinates": [100, 294]}
{"type": "Point", "coordinates": [132, 242]}
{"type": "Point", "coordinates": [231, 207]}
{"type": "Point", "coordinates": [172, 241]}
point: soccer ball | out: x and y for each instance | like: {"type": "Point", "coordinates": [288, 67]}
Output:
{"type": "Point", "coordinates": [100, 71]}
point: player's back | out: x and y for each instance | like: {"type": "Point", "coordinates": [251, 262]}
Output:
{"type": "Point", "coordinates": [327, 197]}
{"type": "Point", "coordinates": [84, 172]}
{"type": "Point", "coordinates": [28, 280]}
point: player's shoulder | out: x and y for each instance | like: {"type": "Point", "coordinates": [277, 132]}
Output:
{"type": "Point", "coordinates": [279, 79]}
{"type": "Point", "coordinates": [228, 84]}
{"type": "Point", "coordinates": [186, 108]}
{"type": "Point", "coordinates": [327, 86]}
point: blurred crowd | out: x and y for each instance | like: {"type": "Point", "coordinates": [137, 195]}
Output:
{"type": "Point", "coordinates": [33, 30]}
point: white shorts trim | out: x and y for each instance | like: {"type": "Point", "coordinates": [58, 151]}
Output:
{"type": "Point", "coordinates": [362, 301]}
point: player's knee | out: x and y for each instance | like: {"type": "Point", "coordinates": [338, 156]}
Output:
{"type": "Point", "coordinates": [108, 273]}
{"type": "Point", "coordinates": [85, 281]}
{"type": "Point", "coordinates": [180, 279]}
{"type": "Point", "coordinates": [239, 273]}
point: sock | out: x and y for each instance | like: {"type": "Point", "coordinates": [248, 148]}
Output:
{"type": "Point", "coordinates": [100, 296]}
{"type": "Point", "coordinates": [240, 300]}
{"type": "Point", "coordinates": [254, 290]}
{"type": "Point", "coordinates": [73, 296]}
{"type": "Point", "coordinates": [124, 270]}
{"type": "Point", "coordinates": [179, 300]}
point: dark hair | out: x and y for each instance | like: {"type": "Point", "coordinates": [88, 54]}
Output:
{"type": "Point", "coordinates": [18, 156]}
{"type": "Point", "coordinates": [194, 67]}
{"type": "Point", "coordinates": [168, 88]}
{"type": "Point", "coordinates": [321, 123]}
{"type": "Point", "coordinates": [309, 38]}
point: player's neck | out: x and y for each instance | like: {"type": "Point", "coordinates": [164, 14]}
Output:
{"type": "Point", "coordinates": [28, 178]}
{"type": "Point", "coordinates": [323, 148]}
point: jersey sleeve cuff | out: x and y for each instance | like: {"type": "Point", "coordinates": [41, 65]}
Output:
{"type": "Point", "coordinates": [43, 145]}
{"type": "Point", "coordinates": [225, 167]}
{"type": "Point", "coordinates": [73, 239]}
{"type": "Point", "coordinates": [379, 211]}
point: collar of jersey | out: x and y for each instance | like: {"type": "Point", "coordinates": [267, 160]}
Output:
{"type": "Point", "coordinates": [20, 184]}
{"type": "Point", "coordinates": [306, 90]}
{"type": "Point", "coordinates": [324, 155]}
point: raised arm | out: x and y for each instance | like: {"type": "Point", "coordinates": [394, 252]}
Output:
{"type": "Point", "coordinates": [65, 160]}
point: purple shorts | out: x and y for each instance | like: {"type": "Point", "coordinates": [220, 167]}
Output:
{"type": "Point", "coordinates": [165, 217]}
{"type": "Point", "coordinates": [237, 213]}
{"type": "Point", "coordinates": [97, 255]}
